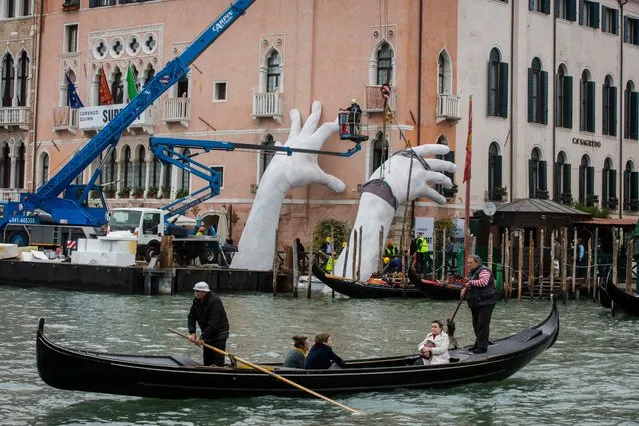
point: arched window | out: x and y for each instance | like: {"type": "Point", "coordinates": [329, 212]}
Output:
{"type": "Point", "coordinates": [185, 177]}
{"type": "Point", "coordinates": [444, 74]}
{"type": "Point", "coordinates": [5, 162]}
{"type": "Point", "coordinates": [380, 151]}
{"type": "Point", "coordinates": [127, 169]}
{"type": "Point", "coordinates": [150, 73]}
{"type": "Point", "coordinates": [140, 179]}
{"type": "Point", "coordinates": [20, 165]}
{"type": "Point", "coordinates": [23, 75]}
{"type": "Point", "coordinates": [166, 184]}
{"type": "Point", "coordinates": [495, 173]}
{"type": "Point", "coordinates": [537, 93]}
{"type": "Point", "coordinates": [562, 179]}
{"type": "Point", "coordinates": [156, 170]}
{"type": "Point", "coordinates": [497, 85]}
{"type": "Point", "coordinates": [586, 103]}
{"type": "Point", "coordinates": [117, 87]}
{"type": "Point", "coordinates": [563, 99]}
{"type": "Point", "coordinates": [586, 182]}
{"type": "Point", "coordinates": [448, 193]}
{"type": "Point", "coordinates": [384, 64]}
{"type": "Point", "coordinates": [109, 175]}
{"type": "Point", "coordinates": [7, 80]}
{"type": "Point", "coordinates": [609, 106]}
{"type": "Point", "coordinates": [273, 72]}
{"type": "Point", "coordinates": [266, 156]}
{"type": "Point", "coordinates": [182, 87]}
{"type": "Point", "coordinates": [631, 188]}
{"type": "Point", "coordinates": [631, 112]}
{"type": "Point", "coordinates": [608, 185]}
{"type": "Point", "coordinates": [44, 168]}
{"type": "Point", "coordinates": [537, 176]}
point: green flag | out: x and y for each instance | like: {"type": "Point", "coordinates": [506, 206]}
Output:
{"type": "Point", "coordinates": [132, 91]}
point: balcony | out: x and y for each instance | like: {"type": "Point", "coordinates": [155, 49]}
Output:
{"type": "Point", "coordinates": [70, 5]}
{"type": "Point", "coordinates": [268, 105]}
{"type": "Point", "coordinates": [498, 194]}
{"type": "Point", "coordinates": [177, 110]}
{"type": "Point", "coordinates": [448, 108]}
{"type": "Point", "coordinates": [374, 101]}
{"type": "Point", "coordinates": [94, 118]}
{"type": "Point", "coordinates": [65, 119]}
{"type": "Point", "coordinates": [14, 116]}
{"type": "Point", "coordinates": [10, 194]}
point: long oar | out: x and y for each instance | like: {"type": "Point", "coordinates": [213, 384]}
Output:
{"type": "Point", "coordinates": [450, 325]}
{"type": "Point", "coordinates": [270, 373]}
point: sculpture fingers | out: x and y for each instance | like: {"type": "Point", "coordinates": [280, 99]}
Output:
{"type": "Point", "coordinates": [431, 149]}
{"type": "Point", "coordinates": [438, 165]}
{"type": "Point", "coordinates": [311, 122]}
{"type": "Point", "coordinates": [331, 181]}
{"type": "Point", "coordinates": [295, 123]}
{"type": "Point", "coordinates": [439, 179]}
{"type": "Point", "coordinates": [322, 134]}
{"type": "Point", "coordinates": [430, 193]}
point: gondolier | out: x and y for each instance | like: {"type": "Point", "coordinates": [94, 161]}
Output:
{"type": "Point", "coordinates": [209, 314]}
{"type": "Point", "coordinates": [480, 288]}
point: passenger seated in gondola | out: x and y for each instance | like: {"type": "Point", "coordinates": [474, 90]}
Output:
{"type": "Point", "coordinates": [434, 348]}
{"type": "Point", "coordinates": [321, 355]}
{"type": "Point", "coordinates": [296, 357]}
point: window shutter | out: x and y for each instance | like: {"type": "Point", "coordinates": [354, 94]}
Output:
{"type": "Point", "coordinates": [543, 175]}
{"type": "Point", "coordinates": [546, 6]}
{"type": "Point", "coordinates": [498, 170]}
{"type": "Point", "coordinates": [503, 90]}
{"type": "Point", "coordinates": [571, 10]}
{"type": "Point", "coordinates": [615, 21]}
{"type": "Point", "coordinates": [582, 193]}
{"type": "Point", "coordinates": [604, 23]}
{"type": "Point", "coordinates": [530, 5]}
{"type": "Point", "coordinates": [636, 32]}
{"type": "Point", "coordinates": [590, 180]}
{"type": "Point", "coordinates": [567, 184]}
{"type": "Point", "coordinates": [626, 30]}
{"type": "Point", "coordinates": [93, 3]}
{"type": "Point", "coordinates": [582, 12]}
{"type": "Point", "coordinates": [567, 110]}
{"type": "Point", "coordinates": [556, 181]}
{"type": "Point", "coordinates": [612, 131]}
{"type": "Point", "coordinates": [634, 185]}
{"type": "Point", "coordinates": [531, 183]}
{"type": "Point", "coordinates": [604, 187]}
{"type": "Point", "coordinates": [491, 102]}
{"type": "Point", "coordinates": [582, 113]}
{"type": "Point", "coordinates": [531, 115]}
{"type": "Point", "coordinates": [544, 97]}
{"type": "Point", "coordinates": [612, 183]}
{"type": "Point", "coordinates": [594, 10]}
{"type": "Point", "coordinates": [556, 9]}
{"type": "Point", "coordinates": [590, 105]}
{"type": "Point", "coordinates": [634, 115]}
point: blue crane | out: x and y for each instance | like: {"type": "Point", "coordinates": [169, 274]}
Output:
{"type": "Point", "coordinates": [73, 207]}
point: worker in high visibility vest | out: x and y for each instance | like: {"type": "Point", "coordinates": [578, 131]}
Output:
{"type": "Point", "coordinates": [330, 262]}
{"type": "Point", "coordinates": [422, 249]}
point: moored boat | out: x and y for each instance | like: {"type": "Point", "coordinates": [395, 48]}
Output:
{"type": "Point", "coordinates": [627, 302]}
{"type": "Point", "coordinates": [361, 290]}
{"type": "Point", "coordinates": [434, 289]}
{"type": "Point", "coordinates": [179, 377]}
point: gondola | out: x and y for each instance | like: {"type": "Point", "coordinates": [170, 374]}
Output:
{"type": "Point", "coordinates": [358, 290]}
{"type": "Point", "coordinates": [434, 289]}
{"type": "Point", "coordinates": [179, 377]}
{"type": "Point", "coordinates": [627, 302]}
{"type": "Point", "coordinates": [604, 299]}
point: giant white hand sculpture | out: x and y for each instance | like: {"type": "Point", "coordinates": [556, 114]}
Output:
{"type": "Point", "coordinates": [256, 247]}
{"type": "Point", "coordinates": [379, 201]}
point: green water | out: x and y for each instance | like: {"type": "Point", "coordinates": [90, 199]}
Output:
{"type": "Point", "coordinates": [588, 377]}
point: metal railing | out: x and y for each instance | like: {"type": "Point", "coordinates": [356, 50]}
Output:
{"type": "Point", "coordinates": [14, 116]}
{"type": "Point", "coordinates": [65, 118]}
{"type": "Point", "coordinates": [448, 107]}
{"type": "Point", "coordinates": [9, 194]}
{"type": "Point", "coordinates": [177, 109]}
{"type": "Point", "coordinates": [267, 104]}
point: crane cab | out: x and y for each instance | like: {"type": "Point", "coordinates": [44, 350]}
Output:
{"type": "Point", "coordinates": [350, 126]}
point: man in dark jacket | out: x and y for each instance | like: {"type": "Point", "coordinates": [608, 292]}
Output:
{"type": "Point", "coordinates": [480, 288]}
{"type": "Point", "coordinates": [207, 310]}
{"type": "Point", "coordinates": [321, 354]}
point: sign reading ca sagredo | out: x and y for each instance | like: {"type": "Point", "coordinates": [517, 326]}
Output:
{"type": "Point", "coordinates": [586, 142]}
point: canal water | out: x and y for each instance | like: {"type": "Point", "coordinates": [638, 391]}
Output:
{"type": "Point", "coordinates": [590, 375]}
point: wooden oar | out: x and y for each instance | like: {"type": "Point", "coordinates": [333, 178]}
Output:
{"type": "Point", "coordinates": [265, 371]}
{"type": "Point", "coordinates": [450, 325]}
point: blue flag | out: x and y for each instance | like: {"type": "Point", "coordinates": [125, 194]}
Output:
{"type": "Point", "coordinates": [72, 95]}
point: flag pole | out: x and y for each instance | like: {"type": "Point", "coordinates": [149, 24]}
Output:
{"type": "Point", "coordinates": [467, 174]}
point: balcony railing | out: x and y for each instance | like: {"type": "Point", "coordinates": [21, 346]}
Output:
{"type": "Point", "coordinates": [177, 110]}
{"type": "Point", "coordinates": [374, 101]}
{"type": "Point", "coordinates": [65, 118]}
{"type": "Point", "coordinates": [268, 105]}
{"type": "Point", "coordinates": [448, 108]}
{"type": "Point", "coordinates": [9, 194]}
{"type": "Point", "coordinates": [14, 116]}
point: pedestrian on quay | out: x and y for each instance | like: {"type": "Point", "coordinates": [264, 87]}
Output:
{"type": "Point", "coordinates": [208, 312]}
{"type": "Point", "coordinates": [480, 288]}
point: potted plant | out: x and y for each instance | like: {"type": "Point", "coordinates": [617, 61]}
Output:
{"type": "Point", "coordinates": [566, 198]}
{"type": "Point", "coordinates": [138, 192]}
{"type": "Point", "coordinates": [613, 202]}
{"type": "Point", "coordinates": [109, 192]}
{"type": "Point", "coordinates": [182, 193]}
{"type": "Point", "coordinates": [124, 192]}
{"type": "Point", "coordinates": [166, 192]}
{"type": "Point", "coordinates": [499, 193]}
{"type": "Point", "coordinates": [152, 192]}
{"type": "Point", "coordinates": [592, 199]}
{"type": "Point", "coordinates": [542, 194]}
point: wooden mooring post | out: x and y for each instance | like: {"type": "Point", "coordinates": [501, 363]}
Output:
{"type": "Point", "coordinates": [553, 256]}
{"type": "Point", "coordinates": [615, 260]}
{"type": "Point", "coordinates": [542, 245]}
{"type": "Point", "coordinates": [311, 260]}
{"type": "Point", "coordinates": [443, 275]}
{"type": "Point", "coordinates": [531, 264]}
{"type": "Point", "coordinates": [507, 268]}
{"type": "Point", "coordinates": [520, 267]}
{"type": "Point", "coordinates": [275, 265]}
{"type": "Point", "coordinates": [629, 265]}
{"type": "Point", "coordinates": [563, 263]}
{"type": "Point", "coordinates": [574, 260]}
{"type": "Point", "coordinates": [296, 271]}
{"type": "Point", "coordinates": [489, 261]}
{"type": "Point", "coordinates": [354, 261]}
{"type": "Point", "coordinates": [588, 271]}
{"type": "Point", "coordinates": [595, 281]}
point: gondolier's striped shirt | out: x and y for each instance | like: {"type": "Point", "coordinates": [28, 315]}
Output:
{"type": "Point", "coordinates": [482, 281]}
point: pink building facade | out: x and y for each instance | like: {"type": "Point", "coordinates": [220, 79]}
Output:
{"type": "Point", "coordinates": [280, 55]}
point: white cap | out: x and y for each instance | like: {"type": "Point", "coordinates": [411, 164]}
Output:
{"type": "Point", "coordinates": [201, 286]}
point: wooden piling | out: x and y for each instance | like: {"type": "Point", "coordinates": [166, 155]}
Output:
{"type": "Point", "coordinates": [574, 260]}
{"type": "Point", "coordinates": [629, 265]}
{"type": "Point", "coordinates": [531, 264]}
{"type": "Point", "coordinates": [489, 260]}
{"type": "Point", "coordinates": [311, 260]}
{"type": "Point", "coordinates": [542, 245]}
{"type": "Point", "coordinates": [166, 251]}
{"type": "Point", "coordinates": [354, 261]}
{"type": "Point", "coordinates": [553, 255]}
{"type": "Point", "coordinates": [520, 267]}
{"type": "Point", "coordinates": [275, 266]}
{"type": "Point", "coordinates": [588, 271]}
{"type": "Point", "coordinates": [296, 271]}
{"type": "Point", "coordinates": [595, 281]}
{"type": "Point", "coordinates": [506, 265]}
{"type": "Point", "coordinates": [443, 275]}
{"type": "Point", "coordinates": [563, 262]}
{"type": "Point", "coordinates": [511, 260]}
{"type": "Point", "coordinates": [615, 259]}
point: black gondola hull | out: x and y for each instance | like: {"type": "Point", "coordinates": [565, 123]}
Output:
{"type": "Point", "coordinates": [362, 291]}
{"type": "Point", "coordinates": [434, 291]}
{"type": "Point", "coordinates": [627, 302]}
{"type": "Point", "coordinates": [179, 378]}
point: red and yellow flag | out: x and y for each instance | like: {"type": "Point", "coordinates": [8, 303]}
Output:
{"type": "Point", "coordinates": [105, 93]}
{"type": "Point", "coordinates": [469, 143]}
